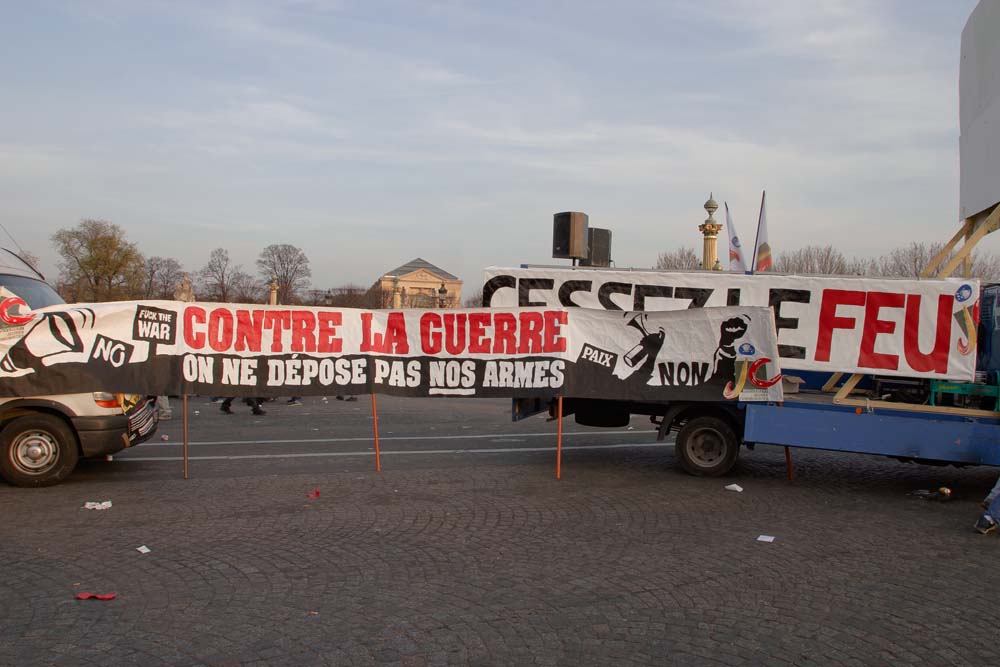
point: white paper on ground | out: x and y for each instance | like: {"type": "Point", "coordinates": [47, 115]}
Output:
{"type": "Point", "coordinates": [766, 538]}
{"type": "Point", "coordinates": [97, 506]}
{"type": "Point", "coordinates": [734, 487]}
{"type": "Point", "coordinates": [143, 549]}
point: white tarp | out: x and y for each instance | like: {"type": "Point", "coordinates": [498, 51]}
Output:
{"type": "Point", "coordinates": [912, 328]}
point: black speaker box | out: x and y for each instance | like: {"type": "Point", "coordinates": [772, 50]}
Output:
{"type": "Point", "coordinates": [569, 235]}
{"type": "Point", "coordinates": [599, 242]}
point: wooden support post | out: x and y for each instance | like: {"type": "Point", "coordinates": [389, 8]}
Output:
{"type": "Point", "coordinates": [831, 384]}
{"type": "Point", "coordinates": [788, 464]}
{"type": "Point", "coordinates": [378, 454]}
{"type": "Point", "coordinates": [847, 388]}
{"type": "Point", "coordinates": [964, 231]}
{"type": "Point", "coordinates": [967, 268]}
{"type": "Point", "coordinates": [559, 417]}
{"type": "Point", "coordinates": [973, 230]}
{"type": "Point", "coordinates": [184, 421]}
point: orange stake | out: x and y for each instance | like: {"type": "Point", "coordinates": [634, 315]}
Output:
{"type": "Point", "coordinates": [378, 457]}
{"type": "Point", "coordinates": [184, 407]}
{"type": "Point", "coordinates": [559, 441]}
{"type": "Point", "coordinates": [788, 464]}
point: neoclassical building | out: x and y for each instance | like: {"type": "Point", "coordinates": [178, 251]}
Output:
{"type": "Point", "coordinates": [417, 284]}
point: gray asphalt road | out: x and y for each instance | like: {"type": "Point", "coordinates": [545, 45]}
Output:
{"type": "Point", "coordinates": [335, 435]}
{"type": "Point", "coordinates": [466, 550]}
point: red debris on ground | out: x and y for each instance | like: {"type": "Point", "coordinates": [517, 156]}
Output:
{"type": "Point", "coordinates": [86, 595]}
{"type": "Point", "coordinates": [314, 494]}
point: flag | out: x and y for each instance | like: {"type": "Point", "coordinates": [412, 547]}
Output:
{"type": "Point", "coordinates": [762, 250]}
{"type": "Point", "coordinates": [736, 261]}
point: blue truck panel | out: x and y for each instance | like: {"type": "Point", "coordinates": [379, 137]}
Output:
{"type": "Point", "coordinates": [823, 425]}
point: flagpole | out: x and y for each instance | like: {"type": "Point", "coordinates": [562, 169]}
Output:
{"type": "Point", "coordinates": [753, 260]}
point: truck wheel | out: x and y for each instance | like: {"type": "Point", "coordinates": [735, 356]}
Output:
{"type": "Point", "coordinates": [37, 450]}
{"type": "Point", "coordinates": [707, 446]}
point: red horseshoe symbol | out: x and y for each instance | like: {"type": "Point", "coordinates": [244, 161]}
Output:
{"type": "Point", "coordinates": [9, 318]}
{"type": "Point", "coordinates": [757, 382]}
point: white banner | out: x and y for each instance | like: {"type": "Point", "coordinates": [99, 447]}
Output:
{"type": "Point", "coordinates": [912, 328]}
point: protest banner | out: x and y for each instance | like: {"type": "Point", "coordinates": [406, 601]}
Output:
{"type": "Point", "coordinates": [911, 328]}
{"type": "Point", "coordinates": [172, 347]}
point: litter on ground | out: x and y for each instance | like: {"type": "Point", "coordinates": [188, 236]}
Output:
{"type": "Point", "coordinates": [734, 487]}
{"type": "Point", "coordinates": [314, 494]}
{"type": "Point", "coordinates": [86, 595]}
{"type": "Point", "coordinates": [143, 549]}
{"type": "Point", "coordinates": [766, 538]}
{"type": "Point", "coordinates": [103, 505]}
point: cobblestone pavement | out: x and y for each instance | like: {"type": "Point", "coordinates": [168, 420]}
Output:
{"type": "Point", "coordinates": [489, 560]}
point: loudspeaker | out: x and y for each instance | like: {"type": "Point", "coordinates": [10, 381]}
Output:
{"type": "Point", "coordinates": [569, 235]}
{"type": "Point", "coordinates": [599, 242]}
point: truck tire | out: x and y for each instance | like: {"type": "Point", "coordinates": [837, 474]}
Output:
{"type": "Point", "coordinates": [707, 446]}
{"type": "Point", "coordinates": [37, 450]}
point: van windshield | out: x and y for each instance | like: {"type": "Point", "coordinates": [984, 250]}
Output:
{"type": "Point", "coordinates": [34, 292]}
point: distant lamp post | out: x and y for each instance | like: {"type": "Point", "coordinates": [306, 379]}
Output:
{"type": "Point", "coordinates": [442, 296]}
{"type": "Point", "coordinates": [273, 287]}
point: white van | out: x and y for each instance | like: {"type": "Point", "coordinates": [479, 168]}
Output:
{"type": "Point", "coordinates": [43, 437]}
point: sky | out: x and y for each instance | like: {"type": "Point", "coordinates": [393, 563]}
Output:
{"type": "Point", "coordinates": [370, 133]}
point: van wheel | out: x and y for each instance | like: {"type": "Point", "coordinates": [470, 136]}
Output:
{"type": "Point", "coordinates": [37, 450]}
{"type": "Point", "coordinates": [707, 446]}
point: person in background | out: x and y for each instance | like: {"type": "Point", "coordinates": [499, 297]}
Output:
{"type": "Point", "coordinates": [987, 523]}
{"type": "Point", "coordinates": [254, 404]}
{"type": "Point", "coordinates": [163, 408]}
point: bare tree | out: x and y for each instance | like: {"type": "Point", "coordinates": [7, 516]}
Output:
{"type": "Point", "coordinates": [98, 263]}
{"type": "Point", "coordinates": [861, 266]}
{"type": "Point", "coordinates": [288, 266]}
{"type": "Point", "coordinates": [908, 261]}
{"type": "Point", "coordinates": [986, 266]}
{"type": "Point", "coordinates": [162, 277]}
{"type": "Point", "coordinates": [812, 259]}
{"type": "Point", "coordinates": [244, 288]}
{"type": "Point", "coordinates": [217, 278]}
{"type": "Point", "coordinates": [349, 296]}
{"type": "Point", "coordinates": [681, 259]}
{"type": "Point", "coordinates": [473, 300]}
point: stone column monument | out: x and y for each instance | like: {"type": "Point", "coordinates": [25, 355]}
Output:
{"type": "Point", "coordinates": [710, 230]}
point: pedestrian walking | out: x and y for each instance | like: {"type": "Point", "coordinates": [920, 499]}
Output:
{"type": "Point", "coordinates": [163, 408]}
{"type": "Point", "coordinates": [987, 523]}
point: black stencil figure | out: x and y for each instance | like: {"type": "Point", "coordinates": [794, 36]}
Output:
{"type": "Point", "coordinates": [725, 355]}
{"type": "Point", "coordinates": [47, 336]}
{"type": "Point", "coordinates": [642, 357]}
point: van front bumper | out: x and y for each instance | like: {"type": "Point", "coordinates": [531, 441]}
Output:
{"type": "Point", "coordinates": [106, 434]}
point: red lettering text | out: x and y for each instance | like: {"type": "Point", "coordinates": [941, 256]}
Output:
{"type": "Point", "coordinates": [869, 358]}
{"type": "Point", "coordinates": [937, 360]}
{"type": "Point", "coordinates": [194, 339]}
{"type": "Point", "coordinates": [828, 319]}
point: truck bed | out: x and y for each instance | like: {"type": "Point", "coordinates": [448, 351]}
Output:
{"type": "Point", "coordinates": [812, 420]}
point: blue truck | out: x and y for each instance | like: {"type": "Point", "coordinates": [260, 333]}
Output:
{"type": "Point", "coordinates": [913, 419]}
